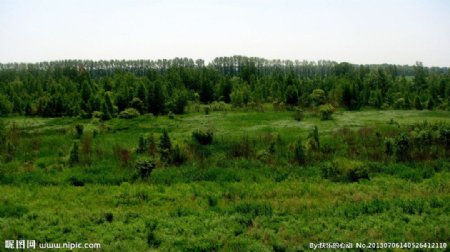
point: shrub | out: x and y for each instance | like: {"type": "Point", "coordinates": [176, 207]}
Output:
{"type": "Point", "coordinates": [178, 156]}
{"type": "Point", "coordinates": [79, 128]}
{"type": "Point", "coordinates": [165, 146]}
{"type": "Point", "coordinates": [137, 104]}
{"type": "Point", "coordinates": [313, 139]}
{"type": "Point", "coordinates": [206, 110]}
{"type": "Point", "coordinates": [242, 148]}
{"type": "Point", "coordinates": [291, 95]}
{"type": "Point", "coordinates": [123, 155]}
{"type": "Point", "coordinates": [142, 145]}
{"type": "Point", "coordinates": [389, 147]}
{"type": "Point", "coordinates": [299, 115]}
{"type": "Point", "coordinates": [318, 96]}
{"type": "Point", "coordinates": [430, 104]}
{"type": "Point", "coordinates": [203, 137]}
{"type": "Point", "coordinates": [129, 113]}
{"type": "Point", "coordinates": [144, 167]}
{"type": "Point", "coordinates": [326, 111]}
{"type": "Point", "coordinates": [146, 144]}
{"type": "Point", "coordinates": [343, 170]}
{"type": "Point", "coordinates": [86, 148]}
{"type": "Point", "coordinates": [3, 133]}
{"type": "Point", "coordinates": [403, 148]}
{"type": "Point", "coordinates": [400, 103]}
{"type": "Point", "coordinates": [418, 103]}
{"type": "Point", "coordinates": [74, 154]}
{"type": "Point", "coordinates": [97, 114]}
{"type": "Point", "coordinates": [299, 153]}
{"type": "Point", "coordinates": [171, 115]}
{"type": "Point", "coordinates": [10, 152]}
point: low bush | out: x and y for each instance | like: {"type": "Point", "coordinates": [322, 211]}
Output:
{"type": "Point", "coordinates": [299, 115]}
{"type": "Point", "coordinates": [79, 128]}
{"type": "Point", "coordinates": [203, 137]}
{"type": "Point", "coordinates": [74, 154]}
{"type": "Point", "coordinates": [144, 167]}
{"type": "Point", "coordinates": [242, 148]}
{"type": "Point", "coordinates": [123, 155]}
{"type": "Point", "coordinates": [343, 170]}
{"type": "Point", "coordinates": [178, 156]}
{"type": "Point", "coordinates": [326, 111]}
{"type": "Point", "coordinates": [129, 113]}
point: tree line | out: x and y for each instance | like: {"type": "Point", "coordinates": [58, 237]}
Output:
{"type": "Point", "coordinates": [107, 88]}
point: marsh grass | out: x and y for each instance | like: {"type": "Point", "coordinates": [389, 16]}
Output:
{"type": "Point", "coordinates": [242, 192]}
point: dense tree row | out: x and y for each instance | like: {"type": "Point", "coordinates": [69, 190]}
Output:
{"type": "Point", "coordinates": [106, 88]}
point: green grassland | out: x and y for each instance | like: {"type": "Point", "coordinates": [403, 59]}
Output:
{"type": "Point", "coordinates": [221, 203]}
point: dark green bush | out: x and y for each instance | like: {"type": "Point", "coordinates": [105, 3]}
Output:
{"type": "Point", "coordinates": [299, 153]}
{"type": "Point", "coordinates": [343, 170]}
{"type": "Point", "coordinates": [203, 137]}
{"type": "Point", "coordinates": [403, 148]}
{"type": "Point", "coordinates": [178, 156]}
{"type": "Point", "coordinates": [74, 157]}
{"type": "Point", "coordinates": [165, 146]}
{"type": "Point", "coordinates": [79, 128]}
{"type": "Point", "coordinates": [298, 114]}
{"type": "Point", "coordinates": [242, 148]}
{"type": "Point", "coordinates": [389, 147]}
{"type": "Point", "coordinates": [144, 167]}
{"type": "Point", "coordinates": [8, 209]}
{"type": "Point", "coordinates": [146, 144]}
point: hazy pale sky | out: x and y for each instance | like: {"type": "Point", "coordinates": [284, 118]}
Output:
{"type": "Point", "coordinates": [357, 31]}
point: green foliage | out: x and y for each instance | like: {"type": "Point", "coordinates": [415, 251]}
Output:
{"type": "Point", "coordinates": [389, 147]}
{"type": "Point", "coordinates": [165, 146]}
{"type": "Point", "coordinates": [299, 153]}
{"type": "Point", "coordinates": [10, 153]}
{"type": "Point", "coordinates": [5, 105]}
{"type": "Point", "coordinates": [291, 96]}
{"type": "Point", "coordinates": [144, 167]}
{"type": "Point", "coordinates": [403, 148]}
{"type": "Point", "coordinates": [129, 113]}
{"type": "Point", "coordinates": [313, 138]}
{"type": "Point", "coordinates": [400, 104]}
{"type": "Point", "coordinates": [299, 114]}
{"type": "Point", "coordinates": [79, 129]}
{"type": "Point", "coordinates": [74, 156]}
{"type": "Point", "coordinates": [203, 137]}
{"type": "Point", "coordinates": [259, 201]}
{"type": "Point", "coordinates": [418, 103]}
{"type": "Point", "coordinates": [122, 155]}
{"type": "Point", "coordinates": [318, 97]}
{"type": "Point", "coordinates": [137, 104]}
{"type": "Point", "coordinates": [146, 144]}
{"type": "Point", "coordinates": [326, 111]}
{"type": "Point", "coordinates": [242, 148]}
{"type": "Point", "coordinates": [180, 101]}
{"type": "Point", "coordinates": [178, 156]}
{"type": "Point", "coordinates": [206, 110]}
{"type": "Point", "coordinates": [343, 170]}
{"type": "Point", "coordinates": [254, 209]}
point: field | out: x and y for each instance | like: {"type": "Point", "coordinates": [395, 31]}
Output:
{"type": "Point", "coordinates": [216, 201]}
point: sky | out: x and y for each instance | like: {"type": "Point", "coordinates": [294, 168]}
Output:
{"type": "Point", "coordinates": [356, 31]}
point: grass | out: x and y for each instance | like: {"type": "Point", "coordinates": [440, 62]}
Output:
{"type": "Point", "coordinates": [224, 204]}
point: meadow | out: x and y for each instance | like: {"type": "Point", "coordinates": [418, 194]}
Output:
{"type": "Point", "coordinates": [261, 184]}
